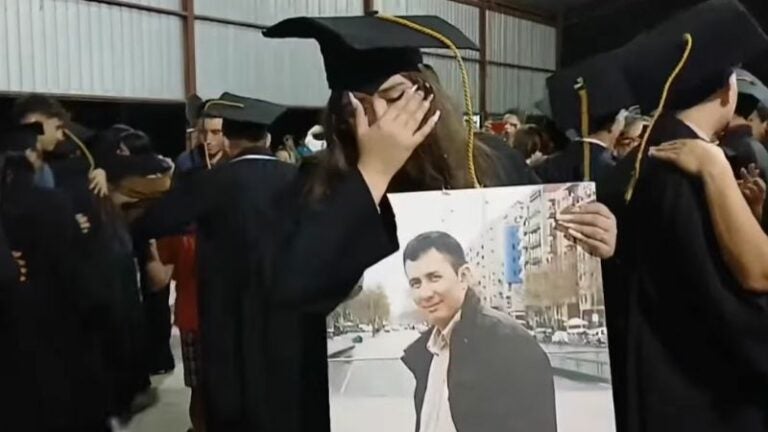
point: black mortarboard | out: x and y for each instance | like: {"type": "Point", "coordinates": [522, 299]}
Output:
{"type": "Point", "coordinates": [749, 84]}
{"type": "Point", "coordinates": [595, 88]}
{"type": "Point", "coordinates": [243, 109]}
{"type": "Point", "coordinates": [723, 35]}
{"type": "Point", "coordinates": [20, 138]}
{"type": "Point", "coordinates": [296, 121]}
{"type": "Point", "coordinates": [194, 106]}
{"type": "Point", "coordinates": [362, 52]}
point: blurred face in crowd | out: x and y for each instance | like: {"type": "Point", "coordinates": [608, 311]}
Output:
{"type": "Point", "coordinates": [437, 289]}
{"type": "Point", "coordinates": [759, 127]}
{"type": "Point", "coordinates": [511, 125]}
{"type": "Point", "coordinates": [53, 130]}
{"type": "Point", "coordinates": [211, 134]}
{"type": "Point", "coordinates": [629, 139]}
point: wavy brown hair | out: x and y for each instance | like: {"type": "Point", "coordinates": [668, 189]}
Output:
{"type": "Point", "coordinates": [440, 162]}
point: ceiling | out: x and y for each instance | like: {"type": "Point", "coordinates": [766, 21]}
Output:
{"type": "Point", "coordinates": [543, 6]}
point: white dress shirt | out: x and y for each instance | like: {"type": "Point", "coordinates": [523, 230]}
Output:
{"type": "Point", "coordinates": [436, 410]}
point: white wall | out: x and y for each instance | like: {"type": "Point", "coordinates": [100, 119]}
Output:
{"type": "Point", "coordinates": [79, 47]}
{"type": "Point", "coordinates": [241, 60]}
{"type": "Point", "coordinates": [519, 42]}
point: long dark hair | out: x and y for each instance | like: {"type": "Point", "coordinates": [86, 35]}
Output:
{"type": "Point", "coordinates": [440, 162]}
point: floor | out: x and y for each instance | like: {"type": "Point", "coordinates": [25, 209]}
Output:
{"type": "Point", "coordinates": [171, 412]}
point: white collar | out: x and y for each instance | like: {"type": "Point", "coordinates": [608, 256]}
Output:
{"type": "Point", "coordinates": [698, 132]}
{"type": "Point", "coordinates": [594, 141]}
{"type": "Point", "coordinates": [253, 157]}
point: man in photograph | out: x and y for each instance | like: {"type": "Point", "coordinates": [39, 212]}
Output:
{"type": "Point", "coordinates": [476, 369]}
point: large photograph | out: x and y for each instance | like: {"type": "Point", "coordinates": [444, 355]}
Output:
{"type": "Point", "coordinates": [489, 318]}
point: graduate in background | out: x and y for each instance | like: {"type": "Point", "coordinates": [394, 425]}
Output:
{"type": "Point", "coordinates": [265, 284]}
{"type": "Point", "coordinates": [688, 338]}
{"type": "Point", "coordinates": [589, 102]}
{"type": "Point", "coordinates": [747, 129]}
{"type": "Point", "coordinates": [53, 374]}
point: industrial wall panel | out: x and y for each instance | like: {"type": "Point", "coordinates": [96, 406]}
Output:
{"type": "Point", "coordinates": [268, 12]}
{"type": "Point", "coordinates": [241, 60]}
{"type": "Point", "coordinates": [514, 88]}
{"type": "Point", "coordinates": [76, 47]}
{"type": "Point", "coordinates": [450, 78]}
{"type": "Point", "coordinates": [518, 41]}
{"type": "Point", "coordinates": [465, 17]}
{"type": "Point", "coordinates": [165, 4]}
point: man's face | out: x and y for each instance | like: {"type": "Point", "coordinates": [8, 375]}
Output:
{"type": "Point", "coordinates": [211, 135]}
{"type": "Point", "coordinates": [436, 288]}
{"type": "Point", "coordinates": [53, 131]}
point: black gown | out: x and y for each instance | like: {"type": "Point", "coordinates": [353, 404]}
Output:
{"type": "Point", "coordinates": [688, 343]}
{"type": "Point", "coordinates": [568, 165]}
{"type": "Point", "coordinates": [52, 371]}
{"type": "Point", "coordinates": [109, 277]}
{"type": "Point", "coordinates": [271, 268]}
{"type": "Point", "coordinates": [510, 163]}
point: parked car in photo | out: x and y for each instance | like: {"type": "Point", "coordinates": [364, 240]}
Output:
{"type": "Point", "coordinates": [560, 337]}
{"type": "Point", "coordinates": [543, 334]}
{"type": "Point", "coordinates": [598, 336]}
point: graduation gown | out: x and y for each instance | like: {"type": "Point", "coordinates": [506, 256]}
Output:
{"type": "Point", "coordinates": [51, 369]}
{"type": "Point", "coordinates": [271, 267]}
{"type": "Point", "coordinates": [568, 165]}
{"type": "Point", "coordinates": [688, 343]}
{"type": "Point", "coordinates": [108, 278]}
{"type": "Point", "coordinates": [511, 165]}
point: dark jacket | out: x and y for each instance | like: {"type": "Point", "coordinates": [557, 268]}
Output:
{"type": "Point", "coordinates": [274, 267]}
{"type": "Point", "coordinates": [190, 160]}
{"type": "Point", "coordinates": [499, 378]}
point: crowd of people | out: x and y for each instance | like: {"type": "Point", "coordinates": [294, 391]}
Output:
{"type": "Point", "coordinates": [264, 239]}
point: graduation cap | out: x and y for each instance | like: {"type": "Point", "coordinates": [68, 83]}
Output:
{"type": "Point", "coordinates": [243, 109]}
{"type": "Point", "coordinates": [194, 105]}
{"type": "Point", "coordinates": [688, 58]}
{"type": "Point", "coordinates": [296, 121]}
{"type": "Point", "coordinates": [749, 85]}
{"type": "Point", "coordinates": [20, 138]}
{"type": "Point", "coordinates": [705, 43]}
{"type": "Point", "coordinates": [589, 95]}
{"type": "Point", "coordinates": [361, 52]}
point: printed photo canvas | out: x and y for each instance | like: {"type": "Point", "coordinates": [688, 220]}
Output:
{"type": "Point", "coordinates": [488, 318]}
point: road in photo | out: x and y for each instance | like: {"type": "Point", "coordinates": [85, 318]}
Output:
{"type": "Point", "coordinates": [372, 390]}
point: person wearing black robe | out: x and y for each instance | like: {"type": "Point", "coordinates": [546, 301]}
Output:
{"type": "Point", "coordinates": [52, 372]}
{"type": "Point", "coordinates": [588, 101]}
{"type": "Point", "coordinates": [374, 66]}
{"type": "Point", "coordinates": [271, 268]}
{"type": "Point", "coordinates": [688, 342]}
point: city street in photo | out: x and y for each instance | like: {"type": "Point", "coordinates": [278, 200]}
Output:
{"type": "Point", "coordinates": [490, 317]}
